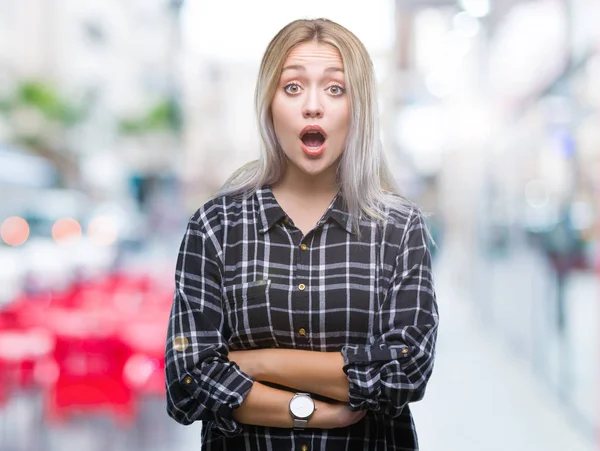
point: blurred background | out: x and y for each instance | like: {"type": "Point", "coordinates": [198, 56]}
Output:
{"type": "Point", "coordinates": [119, 118]}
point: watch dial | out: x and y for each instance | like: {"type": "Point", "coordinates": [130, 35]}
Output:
{"type": "Point", "coordinates": [302, 406]}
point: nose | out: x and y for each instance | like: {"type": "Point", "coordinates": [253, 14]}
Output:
{"type": "Point", "coordinates": [312, 105]}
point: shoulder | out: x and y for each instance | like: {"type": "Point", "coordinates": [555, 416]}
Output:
{"type": "Point", "coordinates": [404, 220]}
{"type": "Point", "coordinates": [220, 211]}
{"type": "Point", "coordinates": [401, 212]}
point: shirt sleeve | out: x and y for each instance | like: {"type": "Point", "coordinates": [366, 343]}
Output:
{"type": "Point", "coordinates": [201, 383]}
{"type": "Point", "coordinates": [393, 371]}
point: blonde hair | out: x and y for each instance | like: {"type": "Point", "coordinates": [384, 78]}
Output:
{"type": "Point", "coordinates": [363, 174]}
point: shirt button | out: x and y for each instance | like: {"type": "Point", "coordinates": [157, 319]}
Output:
{"type": "Point", "coordinates": [302, 287]}
{"type": "Point", "coordinates": [303, 246]}
{"type": "Point", "coordinates": [405, 351]}
{"type": "Point", "coordinates": [188, 380]}
{"type": "Point", "coordinates": [180, 343]}
{"type": "Point", "coordinates": [302, 331]}
{"type": "Point", "coordinates": [304, 448]}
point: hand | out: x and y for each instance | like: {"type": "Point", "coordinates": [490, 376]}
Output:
{"type": "Point", "coordinates": [334, 415]}
{"type": "Point", "coordinates": [248, 361]}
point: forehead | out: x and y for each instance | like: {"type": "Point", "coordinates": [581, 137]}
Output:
{"type": "Point", "coordinates": [314, 53]}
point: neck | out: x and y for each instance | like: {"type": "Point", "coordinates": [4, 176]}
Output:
{"type": "Point", "coordinates": [303, 184]}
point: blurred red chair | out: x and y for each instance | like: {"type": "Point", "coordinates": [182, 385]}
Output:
{"type": "Point", "coordinates": [90, 361]}
{"type": "Point", "coordinates": [146, 336]}
{"type": "Point", "coordinates": [21, 349]}
{"type": "Point", "coordinates": [3, 370]}
{"type": "Point", "coordinates": [145, 375]}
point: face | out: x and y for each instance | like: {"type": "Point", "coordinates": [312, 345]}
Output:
{"type": "Point", "coordinates": [311, 110]}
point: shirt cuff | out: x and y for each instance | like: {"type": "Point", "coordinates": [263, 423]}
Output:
{"type": "Point", "coordinates": [365, 366]}
{"type": "Point", "coordinates": [367, 355]}
{"type": "Point", "coordinates": [226, 394]}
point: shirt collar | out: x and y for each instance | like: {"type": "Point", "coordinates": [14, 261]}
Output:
{"type": "Point", "coordinates": [338, 211]}
{"type": "Point", "coordinates": [271, 212]}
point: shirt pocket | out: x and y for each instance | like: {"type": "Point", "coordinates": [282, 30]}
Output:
{"type": "Point", "coordinates": [249, 315]}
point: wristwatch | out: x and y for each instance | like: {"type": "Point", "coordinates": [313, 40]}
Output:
{"type": "Point", "coordinates": [302, 407]}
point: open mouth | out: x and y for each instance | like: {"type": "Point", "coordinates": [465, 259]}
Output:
{"type": "Point", "coordinates": [313, 139]}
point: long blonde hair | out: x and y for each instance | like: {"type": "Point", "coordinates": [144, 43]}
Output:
{"type": "Point", "coordinates": [363, 174]}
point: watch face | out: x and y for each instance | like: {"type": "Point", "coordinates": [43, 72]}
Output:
{"type": "Point", "coordinates": [302, 406]}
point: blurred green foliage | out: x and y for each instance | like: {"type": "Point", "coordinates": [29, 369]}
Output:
{"type": "Point", "coordinates": [163, 116]}
{"type": "Point", "coordinates": [45, 99]}
{"type": "Point", "coordinates": [58, 114]}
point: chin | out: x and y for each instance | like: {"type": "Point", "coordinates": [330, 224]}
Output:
{"type": "Point", "coordinates": [315, 169]}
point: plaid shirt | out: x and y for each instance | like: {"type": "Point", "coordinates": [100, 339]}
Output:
{"type": "Point", "coordinates": [247, 278]}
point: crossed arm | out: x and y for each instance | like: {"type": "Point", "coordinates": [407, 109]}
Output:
{"type": "Point", "coordinates": [306, 371]}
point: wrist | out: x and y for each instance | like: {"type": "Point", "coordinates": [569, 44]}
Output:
{"type": "Point", "coordinates": [322, 418]}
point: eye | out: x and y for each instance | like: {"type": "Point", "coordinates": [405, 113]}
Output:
{"type": "Point", "coordinates": [292, 88]}
{"type": "Point", "coordinates": [336, 90]}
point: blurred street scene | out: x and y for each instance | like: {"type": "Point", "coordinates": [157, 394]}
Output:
{"type": "Point", "coordinates": [119, 118]}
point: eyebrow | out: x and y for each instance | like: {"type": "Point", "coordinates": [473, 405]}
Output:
{"type": "Point", "coordinates": [303, 69]}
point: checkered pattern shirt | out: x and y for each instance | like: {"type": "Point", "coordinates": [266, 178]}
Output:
{"type": "Point", "coordinates": [247, 278]}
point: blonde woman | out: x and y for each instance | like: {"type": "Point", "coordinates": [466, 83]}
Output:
{"type": "Point", "coordinates": [305, 315]}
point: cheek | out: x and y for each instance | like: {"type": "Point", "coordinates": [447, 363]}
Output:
{"type": "Point", "coordinates": [341, 111]}
{"type": "Point", "coordinates": [281, 117]}
{"type": "Point", "coordinates": [343, 122]}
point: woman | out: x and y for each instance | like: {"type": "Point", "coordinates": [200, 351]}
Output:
{"type": "Point", "coordinates": [304, 314]}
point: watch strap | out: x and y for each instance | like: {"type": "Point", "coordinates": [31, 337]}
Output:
{"type": "Point", "coordinates": [300, 424]}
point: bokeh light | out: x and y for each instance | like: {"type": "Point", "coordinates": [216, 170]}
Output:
{"type": "Point", "coordinates": [102, 231]}
{"type": "Point", "coordinates": [66, 231]}
{"type": "Point", "coordinates": [14, 231]}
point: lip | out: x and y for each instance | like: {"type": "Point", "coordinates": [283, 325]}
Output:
{"type": "Point", "coordinates": [312, 128]}
{"type": "Point", "coordinates": [310, 151]}
{"type": "Point", "coordinates": [313, 152]}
